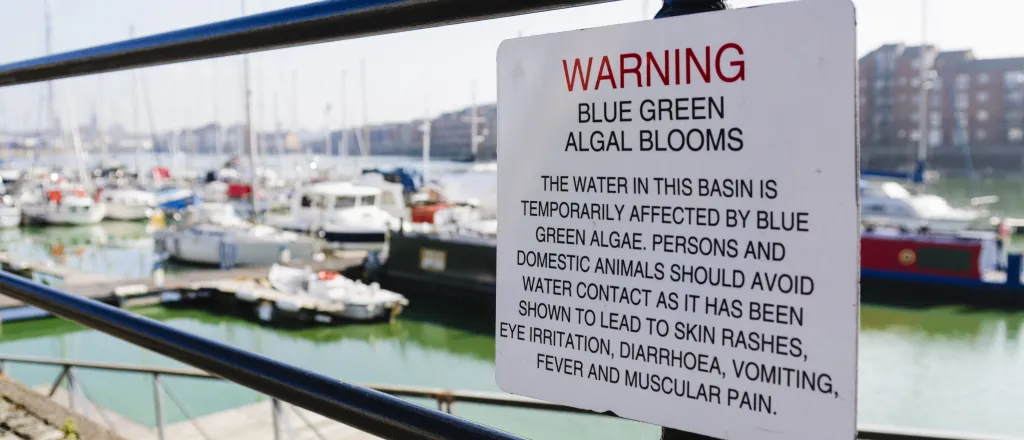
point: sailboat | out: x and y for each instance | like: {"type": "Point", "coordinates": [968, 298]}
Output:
{"type": "Point", "coordinates": [63, 202]}
{"type": "Point", "coordinates": [124, 201]}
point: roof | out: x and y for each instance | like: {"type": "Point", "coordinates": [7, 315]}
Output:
{"type": "Point", "coordinates": [994, 65]}
{"type": "Point", "coordinates": [340, 189]}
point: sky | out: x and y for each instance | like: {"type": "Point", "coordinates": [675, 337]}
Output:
{"type": "Point", "coordinates": [409, 75]}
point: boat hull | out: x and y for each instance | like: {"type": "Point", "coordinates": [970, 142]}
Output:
{"type": "Point", "coordinates": [10, 217]}
{"type": "Point", "coordinates": [207, 249]}
{"type": "Point", "coordinates": [351, 239]}
{"type": "Point", "coordinates": [466, 273]}
{"type": "Point", "coordinates": [432, 265]}
{"type": "Point", "coordinates": [61, 215]}
{"type": "Point", "coordinates": [129, 212]}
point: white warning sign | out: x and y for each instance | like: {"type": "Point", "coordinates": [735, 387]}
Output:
{"type": "Point", "coordinates": [679, 237]}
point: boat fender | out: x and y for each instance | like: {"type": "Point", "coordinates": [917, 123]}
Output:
{"type": "Point", "coordinates": [325, 275]}
{"type": "Point", "coordinates": [246, 295]}
{"type": "Point", "coordinates": [265, 311]}
{"type": "Point", "coordinates": [288, 305]}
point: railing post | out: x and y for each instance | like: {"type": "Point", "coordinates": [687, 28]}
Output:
{"type": "Point", "coordinates": [158, 407]}
{"type": "Point", "coordinates": [275, 413]}
{"type": "Point", "coordinates": [71, 389]}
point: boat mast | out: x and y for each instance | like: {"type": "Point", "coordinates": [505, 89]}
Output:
{"type": "Point", "coordinates": [51, 98]}
{"type": "Point", "coordinates": [218, 144]}
{"type": "Point", "coordinates": [343, 147]}
{"type": "Point", "coordinates": [366, 118]}
{"type": "Point", "coordinates": [425, 128]}
{"type": "Point", "coordinates": [278, 140]}
{"type": "Point", "coordinates": [295, 112]}
{"type": "Point", "coordinates": [76, 141]}
{"type": "Point", "coordinates": [474, 125]}
{"type": "Point", "coordinates": [327, 129]}
{"type": "Point", "coordinates": [247, 139]}
{"type": "Point", "coordinates": [135, 113]}
{"type": "Point", "coordinates": [922, 139]}
{"type": "Point", "coordinates": [100, 122]}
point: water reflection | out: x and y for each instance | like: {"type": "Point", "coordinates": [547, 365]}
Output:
{"type": "Point", "coordinates": [943, 368]}
{"type": "Point", "coordinates": [120, 249]}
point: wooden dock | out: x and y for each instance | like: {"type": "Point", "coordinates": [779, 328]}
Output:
{"type": "Point", "coordinates": [126, 292]}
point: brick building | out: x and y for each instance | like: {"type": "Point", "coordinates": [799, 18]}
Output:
{"type": "Point", "coordinates": [969, 102]}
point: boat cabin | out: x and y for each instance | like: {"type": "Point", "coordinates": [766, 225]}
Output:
{"type": "Point", "coordinates": [889, 203]}
{"type": "Point", "coordinates": [316, 203]}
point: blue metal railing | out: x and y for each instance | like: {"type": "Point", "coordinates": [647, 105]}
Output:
{"type": "Point", "coordinates": [365, 409]}
{"type": "Point", "coordinates": [362, 408]}
{"type": "Point", "coordinates": [316, 22]}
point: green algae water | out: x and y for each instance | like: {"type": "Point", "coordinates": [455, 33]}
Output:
{"type": "Point", "coordinates": [942, 368]}
{"type": "Point", "coordinates": [947, 368]}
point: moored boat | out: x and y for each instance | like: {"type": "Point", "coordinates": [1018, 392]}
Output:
{"type": "Point", "coordinates": [214, 234]}
{"type": "Point", "coordinates": [63, 205]}
{"type": "Point", "coordinates": [360, 302]}
{"type": "Point", "coordinates": [128, 204]}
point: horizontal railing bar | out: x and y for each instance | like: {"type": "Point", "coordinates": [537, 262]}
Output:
{"type": "Point", "coordinates": [316, 22]}
{"type": "Point", "coordinates": [866, 432]}
{"type": "Point", "coordinates": [367, 410]}
{"type": "Point", "coordinates": [94, 365]}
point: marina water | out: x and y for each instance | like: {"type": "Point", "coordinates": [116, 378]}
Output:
{"type": "Point", "coordinates": [945, 368]}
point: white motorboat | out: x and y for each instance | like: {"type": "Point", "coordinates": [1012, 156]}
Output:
{"type": "Point", "coordinates": [62, 205]}
{"type": "Point", "coordinates": [10, 212]}
{"type": "Point", "coordinates": [214, 234]}
{"type": "Point", "coordinates": [128, 204]}
{"type": "Point", "coordinates": [347, 214]}
{"type": "Point", "coordinates": [361, 302]}
{"type": "Point", "coordinates": [890, 203]}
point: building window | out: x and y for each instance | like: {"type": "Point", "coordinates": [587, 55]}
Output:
{"type": "Point", "coordinates": [915, 135]}
{"type": "Point", "coordinates": [961, 101]}
{"type": "Point", "coordinates": [1015, 134]}
{"type": "Point", "coordinates": [934, 137]}
{"type": "Point", "coordinates": [901, 134]}
{"type": "Point", "coordinates": [915, 81]}
{"type": "Point", "coordinates": [879, 84]}
{"type": "Point", "coordinates": [982, 96]}
{"type": "Point", "coordinates": [901, 98]}
{"type": "Point", "coordinates": [982, 78]}
{"type": "Point", "coordinates": [1015, 97]}
{"type": "Point", "coordinates": [1014, 116]}
{"type": "Point", "coordinates": [935, 118]}
{"type": "Point", "coordinates": [982, 115]}
{"type": "Point", "coordinates": [1013, 79]}
{"type": "Point", "coordinates": [863, 83]}
{"type": "Point", "coordinates": [903, 81]}
{"type": "Point", "coordinates": [937, 83]}
{"type": "Point", "coordinates": [961, 119]}
{"type": "Point", "coordinates": [876, 136]}
{"type": "Point", "coordinates": [980, 134]}
{"type": "Point", "coordinates": [963, 81]}
{"type": "Point", "coordinates": [960, 137]}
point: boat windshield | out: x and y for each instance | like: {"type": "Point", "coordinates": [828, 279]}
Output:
{"type": "Point", "coordinates": [889, 190]}
{"type": "Point", "coordinates": [930, 206]}
{"type": "Point", "coordinates": [344, 202]}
